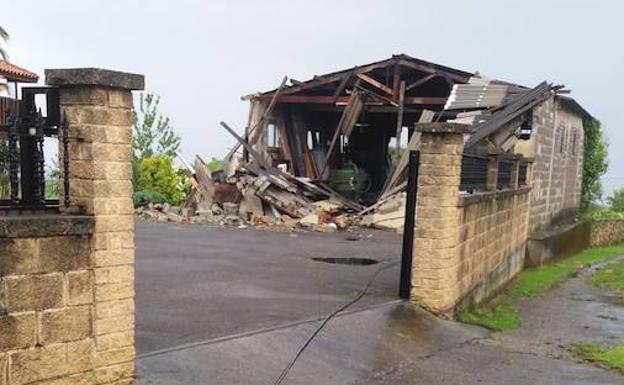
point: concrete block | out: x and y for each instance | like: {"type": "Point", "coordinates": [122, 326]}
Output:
{"type": "Point", "coordinates": [64, 325]}
{"type": "Point", "coordinates": [115, 308]}
{"type": "Point", "coordinates": [38, 292]}
{"type": "Point", "coordinates": [114, 340]}
{"type": "Point", "coordinates": [111, 291]}
{"type": "Point", "coordinates": [79, 287]}
{"type": "Point", "coordinates": [114, 373]}
{"type": "Point", "coordinates": [17, 331]}
{"type": "Point", "coordinates": [81, 356]}
{"type": "Point", "coordinates": [40, 363]}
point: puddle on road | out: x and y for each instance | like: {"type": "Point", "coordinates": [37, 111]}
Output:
{"type": "Point", "coordinates": [347, 261]}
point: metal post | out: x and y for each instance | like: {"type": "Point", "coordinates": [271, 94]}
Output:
{"type": "Point", "coordinates": [408, 226]}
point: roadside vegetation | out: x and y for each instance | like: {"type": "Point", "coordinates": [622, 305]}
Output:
{"type": "Point", "coordinates": [610, 277]}
{"type": "Point", "coordinates": [155, 144]}
{"type": "Point", "coordinates": [499, 314]}
{"type": "Point", "coordinates": [612, 358]}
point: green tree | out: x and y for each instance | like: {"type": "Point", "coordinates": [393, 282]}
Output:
{"type": "Point", "coordinates": [616, 200]}
{"type": "Point", "coordinates": [156, 174]}
{"type": "Point", "coordinates": [214, 164]}
{"type": "Point", "coordinates": [4, 36]}
{"type": "Point", "coordinates": [595, 162]}
{"type": "Point", "coordinates": [153, 133]}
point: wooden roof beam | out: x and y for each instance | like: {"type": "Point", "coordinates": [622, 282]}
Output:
{"type": "Point", "coordinates": [433, 70]}
{"type": "Point", "coordinates": [329, 99]}
{"type": "Point", "coordinates": [375, 83]}
{"type": "Point", "coordinates": [421, 81]}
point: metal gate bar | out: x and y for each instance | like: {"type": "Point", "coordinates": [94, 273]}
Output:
{"type": "Point", "coordinates": [408, 226]}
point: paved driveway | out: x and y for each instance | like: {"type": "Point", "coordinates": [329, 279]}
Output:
{"type": "Point", "coordinates": [225, 306]}
{"type": "Point", "coordinates": [196, 283]}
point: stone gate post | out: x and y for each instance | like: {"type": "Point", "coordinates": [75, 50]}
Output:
{"type": "Point", "coordinates": [436, 237]}
{"type": "Point", "coordinates": [97, 107]}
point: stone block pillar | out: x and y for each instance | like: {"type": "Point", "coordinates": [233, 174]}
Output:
{"type": "Point", "coordinates": [515, 172]}
{"type": "Point", "coordinates": [436, 264]}
{"type": "Point", "coordinates": [491, 182]}
{"type": "Point", "coordinates": [97, 107]}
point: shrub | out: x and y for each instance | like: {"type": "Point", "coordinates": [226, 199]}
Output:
{"type": "Point", "coordinates": [616, 200]}
{"type": "Point", "coordinates": [603, 213]}
{"type": "Point", "coordinates": [156, 174]}
{"type": "Point", "coordinates": [144, 197]}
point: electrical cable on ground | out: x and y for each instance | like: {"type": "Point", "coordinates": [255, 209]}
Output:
{"type": "Point", "coordinates": [344, 307]}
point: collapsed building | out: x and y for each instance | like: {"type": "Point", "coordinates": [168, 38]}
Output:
{"type": "Point", "coordinates": [345, 136]}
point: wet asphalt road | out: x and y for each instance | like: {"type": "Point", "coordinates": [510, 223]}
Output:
{"type": "Point", "coordinates": [195, 282]}
{"type": "Point", "coordinates": [225, 306]}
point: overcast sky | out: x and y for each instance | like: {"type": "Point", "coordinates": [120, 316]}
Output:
{"type": "Point", "coordinates": [201, 56]}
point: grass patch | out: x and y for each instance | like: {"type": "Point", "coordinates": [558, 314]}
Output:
{"type": "Point", "coordinates": [612, 358]}
{"type": "Point", "coordinates": [610, 277]}
{"type": "Point", "coordinates": [500, 315]}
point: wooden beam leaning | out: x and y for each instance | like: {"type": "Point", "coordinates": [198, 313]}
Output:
{"type": "Point", "coordinates": [254, 136]}
{"type": "Point", "coordinates": [399, 125]}
{"type": "Point", "coordinates": [347, 120]}
{"type": "Point", "coordinates": [421, 81]}
{"type": "Point", "coordinates": [341, 87]}
{"type": "Point", "coordinates": [250, 131]}
{"type": "Point", "coordinates": [433, 70]}
{"type": "Point", "coordinates": [375, 83]}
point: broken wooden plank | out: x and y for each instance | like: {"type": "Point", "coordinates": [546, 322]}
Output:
{"type": "Point", "coordinates": [399, 126]}
{"type": "Point", "coordinates": [256, 131]}
{"type": "Point", "coordinates": [398, 172]}
{"type": "Point", "coordinates": [204, 179]}
{"type": "Point", "coordinates": [341, 87]}
{"type": "Point", "coordinates": [249, 131]}
{"type": "Point", "coordinates": [421, 81]}
{"type": "Point", "coordinates": [347, 120]}
{"type": "Point", "coordinates": [375, 83]}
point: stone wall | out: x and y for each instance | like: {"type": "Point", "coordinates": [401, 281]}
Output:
{"type": "Point", "coordinates": [46, 300]}
{"type": "Point", "coordinates": [605, 232]}
{"type": "Point", "coordinates": [465, 247]}
{"type": "Point", "coordinates": [493, 241]}
{"type": "Point", "coordinates": [557, 243]}
{"type": "Point", "coordinates": [97, 106]}
{"type": "Point", "coordinates": [557, 149]}
{"type": "Point", "coordinates": [67, 280]}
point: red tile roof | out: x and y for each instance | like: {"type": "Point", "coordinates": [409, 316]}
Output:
{"type": "Point", "coordinates": [16, 74]}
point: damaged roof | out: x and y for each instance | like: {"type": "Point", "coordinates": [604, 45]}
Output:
{"type": "Point", "coordinates": [489, 105]}
{"type": "Point", "coordinates": [400, 60]}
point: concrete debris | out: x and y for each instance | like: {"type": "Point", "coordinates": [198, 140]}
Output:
{"type": "Point", "coordinates": [390, 215]}
{"type": "Point", "coordinates": [247, 194]}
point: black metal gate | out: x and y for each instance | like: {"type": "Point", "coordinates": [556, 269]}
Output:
{"type": "Point", "coordinates": [23, 129]}
{"type": "Point", "coordinates": [408, 226]}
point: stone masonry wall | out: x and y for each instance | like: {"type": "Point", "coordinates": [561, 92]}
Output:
{"type": "Point", "coordinates": [465, 247]}
{"type": "Point", "coordinates": [492, 241]}
{"type": "Point", "coordinates": [97, 106]}
{"type": "Point", "coordinates": [557, 148]}
{"type": "Point", "coordinates": [606, 232]}
{"type": "Point", "coordinates": [46, 300]}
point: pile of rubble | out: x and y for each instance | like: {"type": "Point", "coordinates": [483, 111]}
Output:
{"type": "Point", "coordinates": [254, 193]}
{"type": "Point", "coordinates": [247, 195]}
